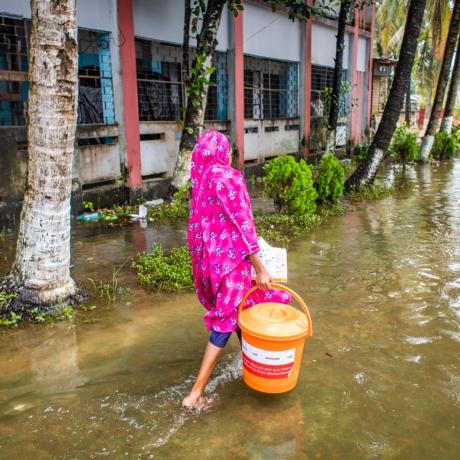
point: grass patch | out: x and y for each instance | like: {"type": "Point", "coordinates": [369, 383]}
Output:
{"type": "Point", "coordinates": [110, 290]}
{"type": "Point", "coordinates": [373, 192]}
{"type": "Point", "coordinates": [172, 272]}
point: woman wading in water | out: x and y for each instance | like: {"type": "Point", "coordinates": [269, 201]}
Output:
{"type": "Point", "coordinates": [223, 246]}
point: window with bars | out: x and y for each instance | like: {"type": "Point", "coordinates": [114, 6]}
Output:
{"type": "Point", "coordinates": [95, 95]}
{"type": "Point", "coordinates": [322, 77]}
{"type": "Point", "coordinates": [159, 85]}
{"type": "Point", "coordinates": [161, 90]}
{"type": "Point", "coordinates": [270, 89]}
{"type": "Point", "coordinates": [95, 100]}
{"type": "Point", "coordinates": [216, 106]}
{"type": "Point", "coordinates": [14, 86]}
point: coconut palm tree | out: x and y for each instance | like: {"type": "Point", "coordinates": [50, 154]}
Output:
{"type": "Point", "coordinates": [367, 170]}
{"type": "Point", "coordinates": [390, 20]}
{"type": "Point", "coordinates": [435, 117]}
{"type": "Point", "coordinates": [446, 125]}
{"type": "Point", "coordinates": [40, 273]}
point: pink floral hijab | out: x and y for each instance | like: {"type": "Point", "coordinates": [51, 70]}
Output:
{"type": "Point", "coordinates": [221, 232]}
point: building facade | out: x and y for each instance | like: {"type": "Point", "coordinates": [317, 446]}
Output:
{"type": "Point", "coordinates": [270, 93]}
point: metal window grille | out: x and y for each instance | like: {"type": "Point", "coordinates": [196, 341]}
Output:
{"type": "Point", "coordinates": [95, 94]}
{"type": "Point", "coordinates": [13, 70]}
{"type": "Point", "coordinates": [216, 106]}
{"type": "Point", "coordinates": [94, 74]}
{"type": "Point", "coordinates": [270, 89]}
{"type": "Point", "coordinates": [159, 85]}
{"type": "Point", "coordinates": [161, 90]}
{"type": "Point", "coordinates": [321, 78]}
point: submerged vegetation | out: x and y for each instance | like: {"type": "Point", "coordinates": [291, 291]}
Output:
{"type": "Point", "coordinates": [280, 229]}
{"type": "Point", "coordinates": [373, 192]}
{"type": "Point", "coordinates": [110, 290]}
{"type": "Point", "coordinates": [166, 272]}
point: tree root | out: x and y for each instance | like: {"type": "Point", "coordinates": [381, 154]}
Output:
{"type": "Point", "coordinates": [25, 301]}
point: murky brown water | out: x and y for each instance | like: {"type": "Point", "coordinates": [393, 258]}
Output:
{"type": "Point", "coordinates": [383, 285]}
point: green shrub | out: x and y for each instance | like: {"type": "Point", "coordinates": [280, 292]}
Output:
{"type": "Point", "coordinates": [456, 132]}
{"type": "Point", "coordinates": [329, 183]}
{"type": "Point", "coordinates": [360, 152]}
{"type": "Point", "coordinates": [444, 147]}
{"type": "Point", "coordinates": [289, 183]}
{"type": "Point", "coordinates": [404, 146]}
{"type": "Point", "coordinates": [165, 272]}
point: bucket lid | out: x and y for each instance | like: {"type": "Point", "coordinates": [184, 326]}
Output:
{"type": "Point", "coordinates": [275, 321]}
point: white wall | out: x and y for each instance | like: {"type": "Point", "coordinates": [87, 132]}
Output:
{"type": "Point", "coordinates": [164, 20]}
{"type": "Point", "coordinates": [269, 34]}
{"type": "Point", "coordinates": [363, 65]}
{"type": "Point", "coordinates": [91, 14]}
{"type": "Point", "coordinates": [96, 14]}
{"type": "Point", "coordinates": [323, 46]}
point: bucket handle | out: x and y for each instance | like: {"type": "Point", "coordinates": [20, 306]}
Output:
{"type": "Point", "coordinates": [280, 287]}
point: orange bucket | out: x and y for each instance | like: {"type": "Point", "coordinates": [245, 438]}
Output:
{"type": "Point", "coordinates": [273, 337]}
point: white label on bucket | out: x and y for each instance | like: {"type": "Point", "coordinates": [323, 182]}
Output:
{"type": "Point", "coordinates": [267, 363]}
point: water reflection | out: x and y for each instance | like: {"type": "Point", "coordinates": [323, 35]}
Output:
{"type": "Point", "coordinates": [54, 362]}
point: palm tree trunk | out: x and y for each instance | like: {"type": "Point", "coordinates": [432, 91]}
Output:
{"type": "Point", "coordinates": [40, 273]}
{"type": "Point", "coordinates": [345, 6]}
{"type": "Point", "coordinates": [186, 42]}
{"type": "Point", "coordinates": [367, 170]}
{"type": "Point", "coordinates": [426, 115]}
{"type": "Point", "coordinates": [408, 102]}
{"type": "Point", "coordinates": [435, 118]}
{"type": "Point", "coordinates": [194, 115]}
{"type": "Point", "coordinates": [446, 125]}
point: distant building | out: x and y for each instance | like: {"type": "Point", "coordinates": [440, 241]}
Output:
{"type": "Point", "coordinates": [270, 73]}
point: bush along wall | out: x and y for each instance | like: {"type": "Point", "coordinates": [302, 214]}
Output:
{"type": "Point", "coordinates": [290, 184]}
{"type": "Point", "coordinates": [330, 179]}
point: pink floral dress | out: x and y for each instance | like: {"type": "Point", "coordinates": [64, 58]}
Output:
{"type": "Point", "coordinates": [221, 235]}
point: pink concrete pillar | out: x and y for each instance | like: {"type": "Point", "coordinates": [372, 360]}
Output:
{"type": "Point", "coordinates": [355, 95]}
{"type": "Point", "coordinates": [130, 98]}
{"type": "Point", "coordinates": [238, 81]}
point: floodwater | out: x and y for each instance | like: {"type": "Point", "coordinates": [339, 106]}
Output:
{"type": "Point", "coordinates": [380, 378]}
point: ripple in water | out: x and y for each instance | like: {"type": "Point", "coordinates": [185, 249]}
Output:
{"type": "Point", "coordinates": [161, 414]}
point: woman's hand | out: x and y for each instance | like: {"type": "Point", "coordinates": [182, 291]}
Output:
{"type": "Point", "coordinates": [263, 280]}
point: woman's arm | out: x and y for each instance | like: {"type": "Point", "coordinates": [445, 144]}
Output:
{"type": "Point", "coordinates": [263, 278]}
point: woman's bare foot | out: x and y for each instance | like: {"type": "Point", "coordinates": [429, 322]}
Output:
{"type": "Point", "coordinates": [211, 355]}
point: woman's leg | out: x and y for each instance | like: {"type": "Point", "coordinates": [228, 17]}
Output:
{"type": "Point", "coordinates": [212, 353]}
